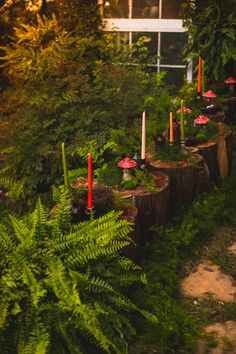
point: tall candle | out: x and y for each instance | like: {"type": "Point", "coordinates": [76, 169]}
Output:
{"type": "Point", "coordinates": [182, 121]}
{"type": "Point", "coordinates": [171, 128]}
{"type": "Point", "coordinates": [90, 182]}
{"type": "Point", "coordinates": [203, 76]}
{"type": "Point", "coordinates": [143, 147]}
{"type": "Point", "coordinates": [65, 170]}
{"type": "Point", "coordinates": [199, 76]}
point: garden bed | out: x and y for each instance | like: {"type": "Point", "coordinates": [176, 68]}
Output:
{"type": "Point", "coordinates": [152, 207]}
{"type": "Point", "coordinates": [188, 179]}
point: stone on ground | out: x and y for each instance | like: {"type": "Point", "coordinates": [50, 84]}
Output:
{"type": "Point", "coordinates": [209, 281]}
{"type": "Point", "coordinates": [225, 336]}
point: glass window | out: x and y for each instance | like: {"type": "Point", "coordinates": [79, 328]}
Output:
{"type": "Point", "coordinates": [150, 42]}
{"type": "Point", "coordinates": [118, 9]}
{"type": "Point", "coordinates": [171, 8]}
{"type": "Point", "coordinates": [145, 9]}
{"type": "Point", "coordinates": [172, 48]}
{"type": "Point", "coordinates": [165, 49]}
{"type": "Point", "coordinates": [174, 77]}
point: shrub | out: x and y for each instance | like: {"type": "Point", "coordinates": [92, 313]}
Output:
{"type": "Point", "coordinates": [64, 288]}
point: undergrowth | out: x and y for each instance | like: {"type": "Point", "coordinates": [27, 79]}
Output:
{"type": "Point", "coordinates": [165, 258]}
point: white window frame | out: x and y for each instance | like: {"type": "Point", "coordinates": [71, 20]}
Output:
{"type": "Point", "coordinates": [158, 26]}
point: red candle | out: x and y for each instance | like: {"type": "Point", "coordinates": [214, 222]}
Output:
{"type": "Point", "coordinates": [90, 182]}
{"type": "Point", "coordinates": [199, 75]}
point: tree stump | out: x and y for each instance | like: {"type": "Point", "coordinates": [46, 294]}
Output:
{"type": "Point", "coordinates": [231, 103]}
{"type": "Point", "coordinates": [218, 117]}
{"type": "Point", "coordinates": [225, 150]}
{"type": "Point", "coordinates": [218, 153]}
{"type": "Point", "coordinates": [188, 179]}
{"type": "Point", "coordinates": [130, 213]}
{"type": "Point", "coordinates": [153, 207]}
{"type": "Point", "coordinates": [209, 151]}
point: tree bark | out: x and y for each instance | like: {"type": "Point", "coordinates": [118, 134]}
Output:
{"type": "Point", "coordinates": [209, 151]}
{"type": "Point", "coordinates": [218, 154]}
{"type": "Point", "coordinates": [225, 150]}
{"type": "Point", "coordinates": [188, 179]}
{"type": "Point", "coordinates": [152, 207]}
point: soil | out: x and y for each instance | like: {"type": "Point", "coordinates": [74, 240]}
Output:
{"type": "Point", "coordinates": [101, 197]}
{"type": "Point", "coordinates": [207, 281]}
{"type": "Point", "coordinates": [225, 337]}
{"type": "Point", "coordinates": [232, 249]}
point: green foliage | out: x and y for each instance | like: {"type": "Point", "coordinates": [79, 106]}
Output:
{"type": "Point", "coordinates": [170, 152]}
{"type": "Point", "coordinates": [180, 324]}
{"type": "Point", "coordinates": [212, 35]}
{"type": "Point", "coordinates": [64, 288]}
{"type": "Point", "coordinates": [127, 139]}
{"type": "Point", "coordinates": [147, 180]}
{"type": "Point", "coordinates": [132, 184]}
{"type": "Point", "coordinates": [201, 137]}
{"type": "Point", "coordinates": [65, 86]}
{"type": "Point", "coordinates": [209, 132]}
{"type": "Point", "coordinates": [188, 91]}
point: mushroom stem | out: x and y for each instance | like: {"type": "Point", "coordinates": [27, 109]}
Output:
{"type": "Point", "coordinates": [126, 175]}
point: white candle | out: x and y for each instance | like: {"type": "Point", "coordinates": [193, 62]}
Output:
{"type": "Point", "coordinates": [143, 148]}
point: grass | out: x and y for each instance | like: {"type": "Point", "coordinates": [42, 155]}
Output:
{"type": "Point", "coordinates": [203, 231]}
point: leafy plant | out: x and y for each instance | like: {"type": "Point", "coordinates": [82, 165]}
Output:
{"type": "Point", "coordinates": [66, 87]}
{"type": "Point", "coordinates": [212, 35]}
{"type": "Point", "coordinates": [147, 180]}
{"type": "Point", "coordinates": [64, 287]}
{"type": "Point", "coordinates": [132, 184]}
{"type": "Point", "coordinates": [171, 153]}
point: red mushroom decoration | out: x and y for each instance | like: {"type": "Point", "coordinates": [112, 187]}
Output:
{"type": "Point", "coordinates": [209, 94]}
{"type": "Point", "coordinates": [126, 164]}
{"type": "Point", "coordinates": [230, 81]}
{"type": "Point", "coordinates": [201, 120]}
{"type": "Point", "coordinates": [185, 110]}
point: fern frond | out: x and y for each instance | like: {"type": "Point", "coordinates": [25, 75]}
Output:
{"type": "Point", "coordinates": [3, 313]}
{"type": "Point", "coordinates": [35, 286]}
{"type": "Point", "coordinates": [128, 264]}
{"type": "Point", "coordinates": [21, 230]}
{"type": "Point", "coordinates": [149, 316]}
{"type": "Point", "coordinates": [39, 220]}
{"type": "Point", "coordinates": [62, 287]}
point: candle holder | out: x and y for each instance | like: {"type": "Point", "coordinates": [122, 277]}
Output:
{"type": "Point", "coordinates": [143, 164]}
{"type": "Point", "coordinates": [182, 144]}
{"type": "Point", "coordinates": [90, 212]}
{"type": "Point", "coordinates": [199, 97]}
{"type": "Point", "coordinates": [160, 141]}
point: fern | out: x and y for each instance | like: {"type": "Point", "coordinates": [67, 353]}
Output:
{"type": "Point", "coordinates": [66, 286]}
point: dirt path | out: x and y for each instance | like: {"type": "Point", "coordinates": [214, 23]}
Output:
{"type": "Point", "coordinates": [207, 282]}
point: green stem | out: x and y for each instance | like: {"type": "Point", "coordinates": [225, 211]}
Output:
{"type": "Point", "coordinates": [65, 169]}
{"type": "Point", "coordinates": [203, 77]}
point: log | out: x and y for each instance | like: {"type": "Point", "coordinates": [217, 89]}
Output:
{"type": "Point", "coordinates": [130, 213]}
{"type": "Point", "coordinates": [209, 151]}
{"type": "Point", "coordinates": [153, 207]}
{"type": "Point", "coordinates": [218, 117]}
{"type": "Point", "coordinates": [188, 179]}
{"type": "Point", "coordinates": [225, 150]}
{"type": "Point", "coordinates": [231, 103]}
{"type": "Point", "coordinates": [218, 154]}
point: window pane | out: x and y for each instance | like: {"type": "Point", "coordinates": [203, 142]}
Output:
{"type": "Point", "coordinates": [145, 9]}
{"type": "Point", "coordinates": [116, 10]}
{"type": "Point", "coordinates": [171, 8]}
{"type": "Point", "coordinates": [172, 47]}
{"type": "Point", "coordinates": [151, 42]}
{"type": "Point", "coordinates": [175, 78]}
